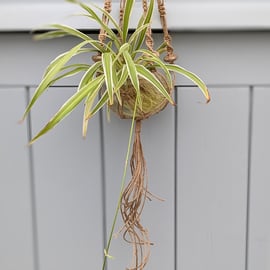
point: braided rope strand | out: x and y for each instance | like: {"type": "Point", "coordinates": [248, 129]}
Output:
{"type": "Point", "coordinates": [170, 57]}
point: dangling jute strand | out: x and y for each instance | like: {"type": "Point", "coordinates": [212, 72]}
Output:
{"type": "Point", "coordinates": [132, 204]}
{"type": "Point", "coordinates": [136, 192]}
{"type": "Point", "coordinates": [170, 57]}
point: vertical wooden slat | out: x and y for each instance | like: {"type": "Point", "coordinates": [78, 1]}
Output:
{"type": "Point", "coordinates": [15, 209]}
{"type": "Point", "coordinates": [158, 144]}
{"type": "Point", "coordinates": [212, 179]}
{"type": "Point", "coordinates": [259, 237]}
{"type": "Point", "coordinates": [68, 188]}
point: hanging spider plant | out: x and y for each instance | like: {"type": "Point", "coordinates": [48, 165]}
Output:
{"type": "Point", "coordinates": [124, 64]}
{"type": "Point", "coordinates": [127, 78]}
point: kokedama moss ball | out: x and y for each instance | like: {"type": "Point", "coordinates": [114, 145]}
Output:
{"type": "Point", "coordinates": [152, 100]}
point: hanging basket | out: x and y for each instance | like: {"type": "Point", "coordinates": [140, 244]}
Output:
{"type": "Point", "coordinates": [132, 81]}
{"type": "Point", "coordinates": [152, 100]}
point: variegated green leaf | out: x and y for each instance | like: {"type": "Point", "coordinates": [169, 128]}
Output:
{"type": "Point", "coordinates": [112, 20]}
{"type": "Point", "coordinates": [102, 101]}
{"type": "Point", "coordinates": [150, 57]}
{"type": "Point", "coordinates": [50, 75]}
{"type": "Point", "coordinates": [74, 69]}
{"type": "Point", "coordinates": [88, 106]}
{"type": "Point", "coordinates": [71, 31]}
{"type": "Point", "coordinates": [89, 74]}
{"type": "Point", "coordinates": [147, 20]}
{"type": "Point", "coordinates": [122, 79]}
{"type": "Point", "coordinates": [148, 75]}
{"type": "Point", "coordinates": [132, 73]}
{"type": "Point", "coordinates": [191, 76]}
{"type": "Point", "coordinates": [94, 16]}
{"type": "Point", "coordinates": [126, 18]}
{"type": "Point", "coordinates": [69, 105]}
{"type": "Point", "coordinates": [107, 64]}
{"type": "Point", "coordinates": [50, 34]}
{"type": "Point", "coordinates": [162, 48]}
{"type": "Point", "coordinates": [134, 37]}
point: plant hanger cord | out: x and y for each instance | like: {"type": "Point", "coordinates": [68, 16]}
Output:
{"type": "Point", "coordinates": [170, 57]}
{"type": "Point", "coordinates": [102, 32]}
{"type": "Point", "coordinates": [133, 197]}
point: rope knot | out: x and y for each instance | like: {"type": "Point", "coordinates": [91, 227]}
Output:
{"type": "Point", "coordinates": [108, 6]}
{"type": "Point", "coordinates": [162, 10]}
{"type": "Point", "coordinates": [138, 126]}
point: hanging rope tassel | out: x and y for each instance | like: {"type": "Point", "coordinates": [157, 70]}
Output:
{"type": "Point", "coordinates": [132, 204]}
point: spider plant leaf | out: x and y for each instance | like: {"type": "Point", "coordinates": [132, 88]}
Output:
{"type": "Point", "coordinates": [75, 69]}
{"type": "Point", "coordinates": [61, 58]}
{"type": "Point", "coordinates": [89, 74]}
{"type": "Point", "coordinates": [148, 75]}
{"type": "Point", "coordinates": [147, 20]}
{"type": "Point", "coordinates": [122, 79]}
{"type": "Point", "coordinates": [191, 76]}
{"type": "Point", "coordinates": [50, 34]}
{"type": "Point", "coordinates": [87, 108]}
{"type": "Point", "coordinates": [126, 18]}
{"type": "Point", "coordinates": [152, 58]}
{"type": "Point", "coordinates": [134, 37]}
{"type": "Point", "coordinates": [102, 101]}
{"type": "Point", "coordinates": [69, 105]}
{"type": "Point", "coordinates": [52, 71]}
{"type": "Point", "coordinates": [71, 31]}
{"type": "Point", "coordinates": [112, 20]}
{"type": "Point", "coordinates": [94, 16]}
{"type": "Point", "coordinates": [133, 75]}
{"type": "Point", "coordinates": [124, 47]}
{"type": "Point", "coordinates": [162, 48]}
{"type": "Point", "coordinates": [107, 64]}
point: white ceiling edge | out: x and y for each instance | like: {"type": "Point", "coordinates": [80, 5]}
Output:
{"type": "Point", "coordinates": [181, 16]}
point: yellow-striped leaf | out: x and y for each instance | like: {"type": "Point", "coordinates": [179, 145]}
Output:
{"type": "Point", "coordinates": [107, 64]}
{"type": "Point", "coordinates": [70, 104]}
{"type": "Point", "coordinates": [148, 75]}
{"type": "Point", "coordinates": [191, 76]}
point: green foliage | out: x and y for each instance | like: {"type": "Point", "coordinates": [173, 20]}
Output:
{"type": "Point", "coordinates": [122, 59]}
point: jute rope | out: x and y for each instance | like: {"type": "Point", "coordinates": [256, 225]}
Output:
{"type": "Point", "coordinates": [136, 192]}
{"type": "Point", "coordinates": [102, 32]}
{"type": "Point", "coordinates": [170, 57]}
{"type": "Point", "coordinates": [133, 200]}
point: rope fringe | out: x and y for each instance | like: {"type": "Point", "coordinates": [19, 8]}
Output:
{"type": "Point", "coordinates": [136, 192]}
{"type": "Point", "coordinates": [132, 204]}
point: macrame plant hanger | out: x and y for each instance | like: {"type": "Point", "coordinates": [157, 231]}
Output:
{"type": "Point", "coordinates": [136, 192]}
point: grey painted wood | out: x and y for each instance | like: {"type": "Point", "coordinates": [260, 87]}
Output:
{"type": "Point", "coordinates": [259, 182]}
{"type": "Point", "coordinates": [225, 58]}
{"type": "Point", "coordinates": [16, 227]}
{"type": "Point", "coordinates": [68, 188]}
{"type": "Point", "coordinates": [158, 217]}
{"type": "Point", "coordinates": [212, 179]}
{"type": "Point", "coordinates": [212, 187]}
{"type": "Point", "coordinates": [210, 55]}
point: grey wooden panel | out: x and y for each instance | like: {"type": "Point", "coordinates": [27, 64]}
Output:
{"type": "Point", "coordinates": [16, 228]}
{"type": "Point", "coordinates": [210, 55]}
{"type": "Point", "coordinates": [158, 217]}
{"type": "Point", "coordinates": [259, 239]}
{"type": "Point", "coordinates": [68, 188]}
{"type": "Point", "coordinates": [212, 179]}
